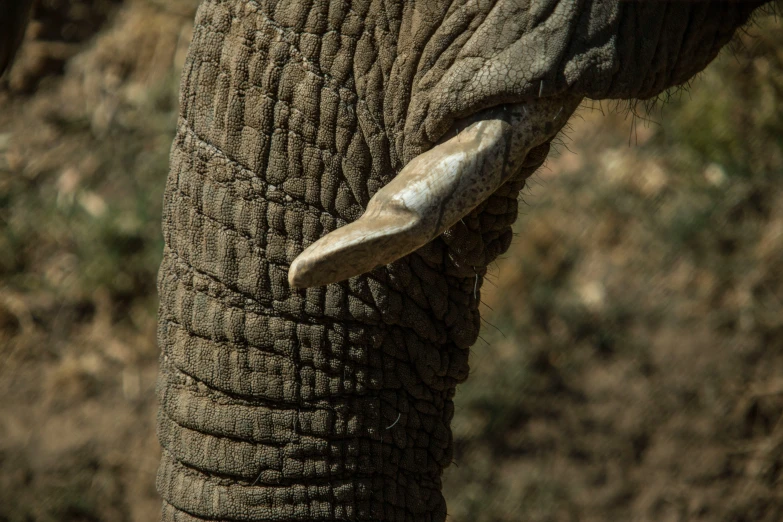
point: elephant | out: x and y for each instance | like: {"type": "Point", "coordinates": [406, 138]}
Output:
{"type": "Point", "coordinates": [342, 175]}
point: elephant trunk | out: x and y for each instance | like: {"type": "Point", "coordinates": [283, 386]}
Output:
{"type": "Point", "coordinates": [269, 417]}
{"type": "Point", "coordinates": [329, 403]}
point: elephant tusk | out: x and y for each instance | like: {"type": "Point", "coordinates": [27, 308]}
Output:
{"type": "Point", "coordinates": [434, 191]}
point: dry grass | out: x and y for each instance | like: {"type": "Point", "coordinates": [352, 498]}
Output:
{"type": "Point", "coordinates": [83, 161]}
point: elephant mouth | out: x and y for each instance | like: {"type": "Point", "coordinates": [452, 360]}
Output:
{"type": "Point", "coordinates": [434, 191]}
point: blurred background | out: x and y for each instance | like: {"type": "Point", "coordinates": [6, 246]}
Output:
{"type": "Point", "coordinates": [631, 362]}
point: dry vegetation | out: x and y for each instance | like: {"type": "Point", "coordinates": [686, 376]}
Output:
{"type": "Point", "coordinates": [631, 366]}
{"type": "Point", "coordinates": [83, 159]}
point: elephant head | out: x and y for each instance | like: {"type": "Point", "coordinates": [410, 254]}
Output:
{"type": "Point", "coordinates": [377, 145]}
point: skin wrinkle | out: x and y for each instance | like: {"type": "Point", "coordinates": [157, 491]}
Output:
{"type": "Point", "coordinates": [685, 23]}
{"type": "Point", "coordinates": [668, 19]}
{"type": "Point", "coordinates": [289, 440]}
{"type": "Point", "coordinates": [187, 130]}
{"type": "Point", "coordinates": [322, 320]}
{"type": "Point", "coordinates": [241, 340]}
{"type": "Point", "coordinates": [293, 114]}
{"type": "Point", "coordinates": [237, 417]}
{"type": "Point", "coordinates": [648, 50]}
{"type": "Point", "coordinates": [500, 68]}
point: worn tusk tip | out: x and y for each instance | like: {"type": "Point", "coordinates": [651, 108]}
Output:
{"type": "Point", "coordinates": [298, 275]}
{"type": "Point", "coordinates": [313, 268]}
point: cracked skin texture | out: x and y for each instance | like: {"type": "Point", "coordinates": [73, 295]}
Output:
{"type": "Point", "coordinates": [334, 403]}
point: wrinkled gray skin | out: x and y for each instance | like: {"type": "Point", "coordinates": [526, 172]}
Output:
{"type": "Point", "coordinates": [334, 403]}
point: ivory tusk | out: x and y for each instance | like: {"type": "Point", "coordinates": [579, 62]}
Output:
{"type": "Point", "coordinates": [434, 191]}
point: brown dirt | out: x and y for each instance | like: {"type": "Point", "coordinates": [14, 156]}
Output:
{"type": "Point", "coordinates": [632, 361]}
{"type": "Point", "coordinates": [85, 128]}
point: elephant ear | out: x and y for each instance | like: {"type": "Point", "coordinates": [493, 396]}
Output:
{"type": "Point", "coordinates": [434, 191]}
{"type": "Point", "coordinates": [14, 16]}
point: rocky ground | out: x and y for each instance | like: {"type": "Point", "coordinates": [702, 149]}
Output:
{"type": "Point", "coordinates": [631, 363]}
